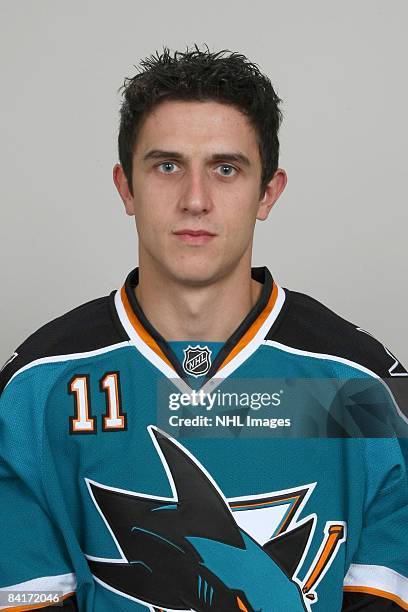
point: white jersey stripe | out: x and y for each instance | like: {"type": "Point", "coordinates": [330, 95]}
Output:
{"type": "Point", "coordinates": [257, 340]}
{"type": "Point", "coordinates": [139, 343]}
{"type": "Point", "coordinates": [223, 372]}
{"type": "Point", "coordinates": [65, 583]}
{"type": "Point", "coordinates": [353, 364]}
{"type": "Point", "coordinates": [71, 356]}
{"type": "Point", "coordinates": [377, 577]}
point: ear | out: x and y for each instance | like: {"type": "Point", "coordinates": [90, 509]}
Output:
{"type": "Point", "coordinates": [122, 186]}
{"type": "Point", "coordinates": [272, 192]}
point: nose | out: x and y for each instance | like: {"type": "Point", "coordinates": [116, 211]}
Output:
{"type": "Point", "coordinates": [196, 195]}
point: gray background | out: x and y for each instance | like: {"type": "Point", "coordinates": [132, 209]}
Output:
{"type": "Point", "coordinates": [338, 232]}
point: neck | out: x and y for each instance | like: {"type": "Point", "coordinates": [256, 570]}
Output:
{"type": "Point", "coordinates": [208, 313]}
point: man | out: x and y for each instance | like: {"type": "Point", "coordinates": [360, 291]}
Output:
{"type": "Point", "coordinates": [122, 487]}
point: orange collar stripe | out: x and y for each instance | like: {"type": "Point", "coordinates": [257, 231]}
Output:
{"type": "Point", "coordinates": [256, 325]}
{"type": "Point", "coordinates": [144, 335]}
{"type": "Point", "coordinates": [241, 344]}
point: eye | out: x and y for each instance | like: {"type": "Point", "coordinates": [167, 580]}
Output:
{"type": "Point", "coordinates": [230, 170]}
{"type": "Point", "coordinates": [168, 167]}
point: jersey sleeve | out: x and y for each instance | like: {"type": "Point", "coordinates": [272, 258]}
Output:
{"type": "Point", "coordinates": [33, 554]}
{"type": "Point", "coordinates": [377, 578]}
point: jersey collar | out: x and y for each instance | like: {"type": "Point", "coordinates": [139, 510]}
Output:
{"type": "Point", "coordinates": [239, 346]}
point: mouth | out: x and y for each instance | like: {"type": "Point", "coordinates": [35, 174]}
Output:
{"type": "Point", "coordinates": [190, 236]}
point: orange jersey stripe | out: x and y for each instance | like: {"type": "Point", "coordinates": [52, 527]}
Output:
{"type": "Point", "coordinates": [36, 606]}
{"type": "Point", "coordinates": [335, 533]}
{"type": "Point", "coordinates": [250, 333]}
{"type": "Point", "coordinates": [287, 518]}
{"type": "Point", "coordinates": [379, 593]}
{"type": "Point", "coordinates": [258, 504]}
{"type": "Point", "coordinates": [241, 344]}
{"type": "Point", "coordinates": [145, 336]}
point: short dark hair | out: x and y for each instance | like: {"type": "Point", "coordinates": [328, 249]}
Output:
{"type": "Point", "coordinates": [201, 75]}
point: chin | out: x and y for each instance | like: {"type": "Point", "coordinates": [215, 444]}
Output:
{"type": "Point", "coordinates": [194, 274]}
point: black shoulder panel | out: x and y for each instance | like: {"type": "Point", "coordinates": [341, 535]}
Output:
{"type": "Point", "coordinates": [87, 327]}
{"type": "Point", "coordinates": [309, 325]}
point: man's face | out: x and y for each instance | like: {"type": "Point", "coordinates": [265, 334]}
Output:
{"type": "Point", "coordinates": [197, 167]}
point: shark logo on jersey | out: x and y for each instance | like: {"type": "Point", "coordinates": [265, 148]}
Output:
{"type": "Point", "coordinates": [197, 360]}
{"type": "Point", "coordinates": [199, 551]}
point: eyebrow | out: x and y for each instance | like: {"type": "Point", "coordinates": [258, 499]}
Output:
{"type": "Point", "coordinates": [233, 157]}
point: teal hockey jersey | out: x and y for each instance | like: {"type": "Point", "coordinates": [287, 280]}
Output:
{"type": "Point", "coordinates": [267, 473]}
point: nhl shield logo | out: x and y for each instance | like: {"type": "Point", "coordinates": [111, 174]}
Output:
{"type": "Point", "coordinates": [197, 360]}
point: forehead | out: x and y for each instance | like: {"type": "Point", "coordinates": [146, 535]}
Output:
{"type": "Point", "coordinates": [187, 123]}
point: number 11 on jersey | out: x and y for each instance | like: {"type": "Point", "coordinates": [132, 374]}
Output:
{"type": "Point", "coordinates": [83, 422]}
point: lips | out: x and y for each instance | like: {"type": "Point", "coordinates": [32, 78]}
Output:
{"type": "Point", "coordinates": [194, 232]}
{"type": "Point", "coordinates": [194, 237]}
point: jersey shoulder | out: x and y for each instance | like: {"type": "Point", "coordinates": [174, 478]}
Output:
{"type": "Point", "coordinates": [309, 325]}
{"type": "Point", "coordinates": [87, 327]}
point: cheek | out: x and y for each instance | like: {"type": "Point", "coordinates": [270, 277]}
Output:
{"type": "Point", "coordinates": [150, 213]}
{"type": "Point", "coordinates": [241, 215]}
{"type": "Point", "coordinates": [144, 223]}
